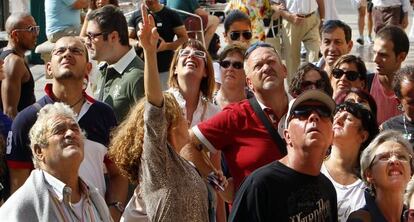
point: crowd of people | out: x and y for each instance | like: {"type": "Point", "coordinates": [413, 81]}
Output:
{"type": "Point", "coordinates": [166, 132]}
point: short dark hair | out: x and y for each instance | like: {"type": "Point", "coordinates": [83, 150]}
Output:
{"type": "Point", "coordinates": [235, 16]}
{"type": "Point", "coordinates": [405, 73]}
{"type": "Point", "coordinates": [330, 26]}
{"type": "Point", "coordinates": [340, 98]}
{"type": "Point", "coordinates": [295, 87]}
{"type": "Point", "coordinates": [397, 36]}
{"type": "Point", "coordinates": [234, 48]}
{"type": "Point", "coordinates": [110, 18]}
{"type": "Point", "coordinates": [352, 59]}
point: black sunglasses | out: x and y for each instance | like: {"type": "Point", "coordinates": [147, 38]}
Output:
{"type": "Point", "coordinates": [236, 35]}
{"type": "Point", "coordinates": [350, 75]}
{"type": "Point", "coordinates": [356, 109]}
{"type": "Point", "coordinates": [226, 64]}
{"type": "Point", "coordinates": [257, 45]}
{"type": "Point", "coordinates": [303, 112]}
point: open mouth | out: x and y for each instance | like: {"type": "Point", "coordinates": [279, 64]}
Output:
{"type": "Point", "coordinates": [191, 64]}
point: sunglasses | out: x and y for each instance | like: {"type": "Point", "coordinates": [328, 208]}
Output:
{"type": "Point", "coordinates": [197, 53]}
{"type": "Point", "coordinates": [356, 109]}
{"type": "Point", "coordinates": [226, 64]}
{"type": "Point", "coordinates": [409, 215]}
{"type": "Point", "coordinates": [303, 112]}
{"type": "Point", "coordinates": [319, 84]}
{"type": "Point", "coordinates": [236, 35]}
{"type": "Point", "coordinates": [256, 45]}
{"type": "Point", "coordinates": [33, 29]}
{"type": "Point", "coordinates": [350, 75]}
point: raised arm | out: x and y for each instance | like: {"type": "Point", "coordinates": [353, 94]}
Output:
{"type": "Point", "coordinates": [148, 37]}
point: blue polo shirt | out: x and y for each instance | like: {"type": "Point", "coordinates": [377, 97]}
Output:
{"type": "Point", "coordinates": [96, 122]}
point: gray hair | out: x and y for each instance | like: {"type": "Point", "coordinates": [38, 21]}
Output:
{"type": "Point", "coordinates": [368, 154]}
{"type": "Point", "coordinates": [14, 21]}
{"type": "Point", "coordinates": [409, 192]}
{"type": "Point", "coordinates": [40, 130]}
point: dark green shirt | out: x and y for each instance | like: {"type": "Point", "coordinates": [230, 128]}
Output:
{"type": "Point", "coordinates": [122, 90]}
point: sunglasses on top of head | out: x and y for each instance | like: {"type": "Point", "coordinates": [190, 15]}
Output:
{"type": "Point", "coordinates": [226, 64]}
{"type": "Point", "coordinates": [303, 112]}
{"type": "Point", "coordinates": [350, 75]}
{"type": "Point", "coordinates": [236, 35]}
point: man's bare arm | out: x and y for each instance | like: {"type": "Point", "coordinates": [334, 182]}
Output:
{"type": "Point", "coordinates": [80, 4]}
{"type": "Point", "coordinates": [15, 71]}
{"type": "Point", "coordinates": [182, 37]}
{"type": "Point", "coordinates": [321, 9]}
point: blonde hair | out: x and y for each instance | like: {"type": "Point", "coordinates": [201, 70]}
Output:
{"type": "Point", "coordinates": [207, 83]}
{"type": "Point", "coordinates": [127, 142]}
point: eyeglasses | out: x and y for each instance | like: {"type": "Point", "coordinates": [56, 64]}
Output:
{"type": "Point", "coordinates": [236, 35]}
{"type": "Point", "coordinates": [197, 53]}
{"type": "Point", "coordinates": [257, 45]}
{"type": "Point", "coordinates": [92, 36]}
{"type": "Point", "coordinates": [408, 215]}
{"type": "Point", "coordinates": [73, 50]}
{"type": "Point", "coordinates": [303, 112]}
{"type": "Point", "coordinates": [350, 75]}
{"type": "Point", "coordinates": [319, 84]}
{"type": "Point", "coordinates": [388, 156]}
{"type": "Point", "coordinates": [33, 29]}
{"type": "Point", "coordinates": [226, 64]}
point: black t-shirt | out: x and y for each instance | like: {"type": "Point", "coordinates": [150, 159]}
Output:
{"type": "Point", "coordinates": [276, 192]}
{"type": "Point", "coordinates": [405, 127]}
{"type": "Point", "coordinates": [166, 20]}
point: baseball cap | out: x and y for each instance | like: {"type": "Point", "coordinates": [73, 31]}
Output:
{"type": "Point", "coordinates": [310, 95]}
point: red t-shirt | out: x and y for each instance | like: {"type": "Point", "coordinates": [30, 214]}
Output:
{"type": "Point", "coordinates": [387, 102]}
{"type": "Point", "coordinates": [238, 132]}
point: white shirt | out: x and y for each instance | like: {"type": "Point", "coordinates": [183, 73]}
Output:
{"type": "Point", "coordinates": [122, 63]}
{"type": "Point", "coordinates": [204, 110]}
{"type": "Point", "coordinates": [349, 197]}
{"type": "Point", "coordinates": [301, 6]}
{"type": "Point", "coordinates": [387, 3]}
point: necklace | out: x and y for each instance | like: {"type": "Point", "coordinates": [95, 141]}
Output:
{"type": "Point", "coordinates": [77, 102]}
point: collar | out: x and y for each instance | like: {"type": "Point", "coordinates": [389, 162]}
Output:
{"type": "Point", "coordinates": [49, 92]}
{"type": "Point", "coordinates": [320, 63]}
{"type": "Point", "coordinates": [55, 184]}
{"type": "Point", "coordinates": [88, 100]}
{"type": "Point", "coordinates": [123, 63]}
{"type": "Point", "coordinates": [60, 189]}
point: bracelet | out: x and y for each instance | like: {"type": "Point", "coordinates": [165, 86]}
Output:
{"type": "Point", "coordinates": [118, 205]}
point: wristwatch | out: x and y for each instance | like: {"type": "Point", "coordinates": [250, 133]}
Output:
{"type": "Point", "coordinates": [118, 205]}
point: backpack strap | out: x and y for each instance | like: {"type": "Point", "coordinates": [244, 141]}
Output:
{"type": "Point", "coordinates": [269, 126]}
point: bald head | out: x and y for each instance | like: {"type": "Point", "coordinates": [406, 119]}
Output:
{"type": "Point", "coordinates": [16, 21]}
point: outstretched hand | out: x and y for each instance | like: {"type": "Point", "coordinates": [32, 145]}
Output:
{"type": "Point", "coordinates": [147, 34]}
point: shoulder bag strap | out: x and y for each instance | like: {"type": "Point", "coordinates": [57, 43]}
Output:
{"type": "Point", "coordinates": [269, 126]}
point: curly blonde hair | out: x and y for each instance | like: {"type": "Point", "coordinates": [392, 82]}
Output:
{"type": "Point", "coordinates": [127, 141]}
